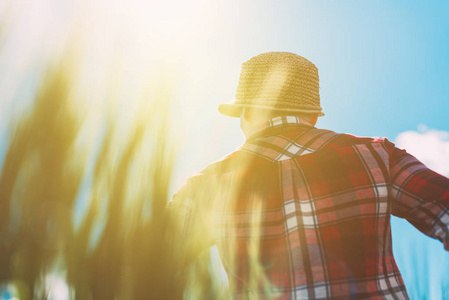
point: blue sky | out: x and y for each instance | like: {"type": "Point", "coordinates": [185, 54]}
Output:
{"type": "Point", "coordinates": [383, 65]}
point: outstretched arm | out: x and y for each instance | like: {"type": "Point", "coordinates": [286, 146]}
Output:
{"type": "Point", "coordinates": [189, 207]}
{"type": "Point", "coordinates": [420, 195]}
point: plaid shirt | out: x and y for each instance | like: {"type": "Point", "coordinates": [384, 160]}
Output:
{"type": "Point", "coordinates": [323, 223]}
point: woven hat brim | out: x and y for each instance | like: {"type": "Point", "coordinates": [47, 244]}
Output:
{"type": "Point", "coordinates": [234, 110]}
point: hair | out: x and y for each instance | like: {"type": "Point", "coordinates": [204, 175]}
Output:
{"type": "Point", "coordinates": [260, 114]}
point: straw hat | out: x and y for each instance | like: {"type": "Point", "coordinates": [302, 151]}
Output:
{"type": "Point", "coordinates": [279, 81]}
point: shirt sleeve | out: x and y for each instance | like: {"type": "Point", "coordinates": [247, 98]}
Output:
{"type": "Point", "coordinates": [188, 206]}
{"type": "Point", "coordinates": [420, 195]}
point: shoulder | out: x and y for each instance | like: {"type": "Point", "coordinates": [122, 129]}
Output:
{"type": "Point", "coordinates": [237, 162]}
{"type": "Point", "coordinates": [234, 162]}
{"type": "Point", "coordinates": [347, 140]}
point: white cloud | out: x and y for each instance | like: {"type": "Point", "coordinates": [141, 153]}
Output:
{"type": "Point", "coordinates": [428, 145]}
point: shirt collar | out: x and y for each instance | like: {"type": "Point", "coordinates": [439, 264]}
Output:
{"type": "Point", "coordinates": [283, 122]}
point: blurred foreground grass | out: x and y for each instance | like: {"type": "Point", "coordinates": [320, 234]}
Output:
{"type": "Point", "coordinates": [92, 214]}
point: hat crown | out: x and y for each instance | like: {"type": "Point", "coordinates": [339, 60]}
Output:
{"type": "Point", "coordinates": [278, 58]}
{"type": "Point", "coordinates": [279, 79]}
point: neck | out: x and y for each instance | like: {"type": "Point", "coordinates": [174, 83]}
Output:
{"type": "Point", "coordinates": [251, 127]}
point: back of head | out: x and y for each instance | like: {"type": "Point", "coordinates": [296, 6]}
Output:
{"type": "Point", "coordinates": [258, 115]}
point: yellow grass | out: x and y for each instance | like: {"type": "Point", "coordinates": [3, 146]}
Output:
{"type": "Point", "coordinates": [126, 243]}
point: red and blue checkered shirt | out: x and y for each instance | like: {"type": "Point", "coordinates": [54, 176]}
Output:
{"type": "Point", "coordinates": [323, 203]}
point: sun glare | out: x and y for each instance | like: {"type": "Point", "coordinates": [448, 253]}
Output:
{"type": "Point", "coordinates": [98, 110]}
